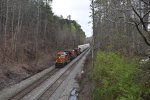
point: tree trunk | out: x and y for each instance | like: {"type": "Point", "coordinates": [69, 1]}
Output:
{"type": "Point", "coordinates": [6, 22]}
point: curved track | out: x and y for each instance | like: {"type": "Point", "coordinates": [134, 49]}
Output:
{"type": "Point", "coordinates": [27, 93]}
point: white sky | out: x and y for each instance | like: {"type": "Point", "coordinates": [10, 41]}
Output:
{"type": "Point", "coordinates": [78, 9]}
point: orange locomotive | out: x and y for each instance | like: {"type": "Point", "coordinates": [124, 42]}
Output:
{"type": "Point", "coordinates": [62, 59]}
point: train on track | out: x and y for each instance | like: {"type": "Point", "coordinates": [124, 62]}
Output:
{"type": "Point", "coordinates": [64, 57]}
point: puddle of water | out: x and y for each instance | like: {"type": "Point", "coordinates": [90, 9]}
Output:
{"type": "Point", "coordinates": [74, 94]}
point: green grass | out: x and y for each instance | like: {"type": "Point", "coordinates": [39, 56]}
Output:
{"type": "Point", "coordinates": [115, 78]}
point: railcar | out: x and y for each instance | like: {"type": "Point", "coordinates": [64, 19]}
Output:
{"type": "Point", "coordinates": [73, 54]}
{"type": "Point", "coordinates": [83, 47]}
{"type": "Point", "coordinates": [77, 50]}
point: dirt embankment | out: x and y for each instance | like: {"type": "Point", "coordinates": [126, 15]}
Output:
{"type": "Point", "coordinates": [12, 73]}
{"type": "Point", "coordinates": [85, 81]}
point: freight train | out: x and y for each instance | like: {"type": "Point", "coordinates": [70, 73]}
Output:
{"type": "Point", "coordinates": [64, 57]}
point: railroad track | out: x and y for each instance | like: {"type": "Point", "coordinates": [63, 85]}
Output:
{"type": "Point", "coordinates": [43, 88]}
{"type": "Point", "coordinates": [28, 89]}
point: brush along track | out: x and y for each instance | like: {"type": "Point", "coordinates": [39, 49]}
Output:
{"type": "Point", "coordinates": [29, 93]}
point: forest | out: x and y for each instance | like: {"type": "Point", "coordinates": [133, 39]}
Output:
{"type": "Point", "coordinates": [121, 38]}
{"type": "Point", "coordinates": [122, 25]}
{"type": "Point", "coordinates": [30, 36]}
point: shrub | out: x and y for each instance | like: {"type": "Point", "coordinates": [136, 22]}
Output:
{"type": "Point", "coordinates": [114, 78]}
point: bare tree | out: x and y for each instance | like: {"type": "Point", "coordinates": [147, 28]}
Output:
{"type": "Point", "coordinates": [142, 23]}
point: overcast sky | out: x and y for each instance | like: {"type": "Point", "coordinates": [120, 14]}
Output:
{"type": "Point", "coordinates": [78, 9]}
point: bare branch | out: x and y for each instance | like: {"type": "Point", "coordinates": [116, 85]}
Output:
{"type": "Point", "coordinates": [113, 21]}
{"type": "Point", "coordinates": [147, 3]}
{"type": "Point", "coordinates": [136, 12]}
{"type": "Point", "coordinates": [146, 14]}
{"type": "Point", "coordinates": [145, 39]}
{"type": "Point", "coordinates": [141, 19]}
